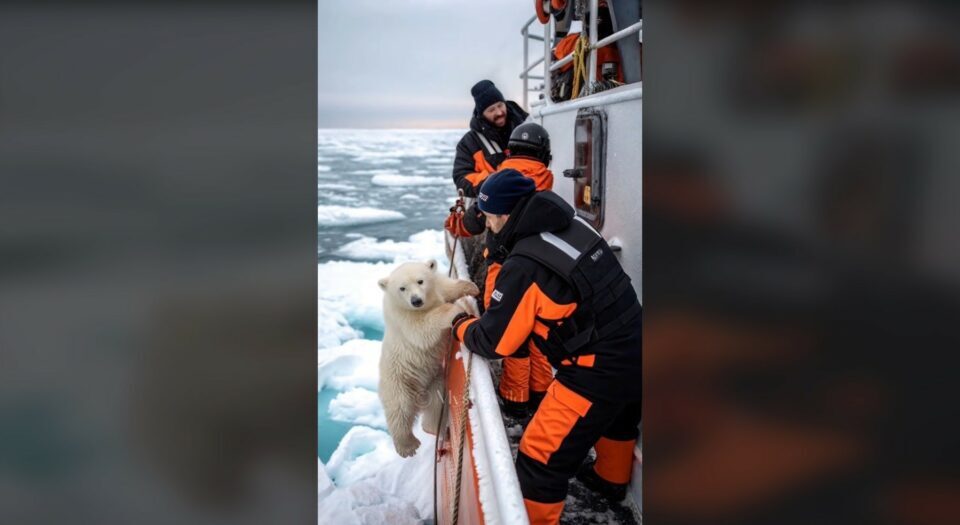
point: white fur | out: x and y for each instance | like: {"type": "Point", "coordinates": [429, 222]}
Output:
{"type": "Point", "coordinates": [414, 342]}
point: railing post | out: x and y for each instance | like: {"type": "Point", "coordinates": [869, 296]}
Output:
{"type": "Point", "coordinates": [547, 59]}
{"type": "Point", "coordinates": [526, 45]}
{"type": "Point", "coordinates": [592, 65]}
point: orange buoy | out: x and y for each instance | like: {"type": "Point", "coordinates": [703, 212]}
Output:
{"type": "Point", "coordinates": [542, 15]}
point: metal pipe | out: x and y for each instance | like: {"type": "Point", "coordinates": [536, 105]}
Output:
{"type": "Point", "coordinates": [535, 37]}
{"type": "Point", "coordinates": [620, 34]}
{"type": "Point", "coordinates": [547, 58]}
{"type": "Point", "coordinates": [531, 66]}
{"type": "Point", "coordinates": [562, 62]}
{"type": "Point", "coordinates": [592, 66]}
{"type": "Point", "coordinates": [613, 96]}
{"type": "Point", "coordinates": [525, 26]}
{"type": "Point", "coordinates": [523, 75]}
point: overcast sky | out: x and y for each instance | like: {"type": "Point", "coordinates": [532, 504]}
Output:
{"type": "Point", "coordinates": [411, 63]}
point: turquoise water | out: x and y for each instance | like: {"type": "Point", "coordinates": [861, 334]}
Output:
{"type": "Point", "coordinates": [330, 432]}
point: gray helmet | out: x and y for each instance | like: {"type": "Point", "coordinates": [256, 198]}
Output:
{"type": "Point", "coordinates": [532, 140]}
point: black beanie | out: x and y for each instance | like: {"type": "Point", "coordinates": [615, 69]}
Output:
{"type": "Point", "coordinates": [503, 190]}
{"type": "Point", "coordinates": [485, 94]}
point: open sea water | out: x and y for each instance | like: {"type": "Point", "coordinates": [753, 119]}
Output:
{"type": "Point", "coordinates": [375, 189]}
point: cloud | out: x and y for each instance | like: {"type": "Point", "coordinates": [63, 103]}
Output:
{"type": "Point", "coordinates": [399, 64]}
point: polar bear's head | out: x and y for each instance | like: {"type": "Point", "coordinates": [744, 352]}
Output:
{"type": "Point", "coordinates": [411, 285]}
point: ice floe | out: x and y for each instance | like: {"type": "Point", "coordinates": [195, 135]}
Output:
{"type": "Point", "coordinates": [407, 180]}
{"type": "Point", "coordinates": [424, 245]}
{"type": "Point", "coordinates": [359, 406]}
{"type": "Point", "coordinates": [332, 215]}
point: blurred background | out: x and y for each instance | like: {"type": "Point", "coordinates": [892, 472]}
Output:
{"type": "Point", "coordinates": [158, 259]}
{"type": "Point", "coordinates": [801, 266]}
{"type": "Point", "coordinates": [157, 262]}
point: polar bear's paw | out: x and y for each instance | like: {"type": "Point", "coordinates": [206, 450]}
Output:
{"type": "Point", "coordinates": [407, 447]}
{"type": "Point", "coordinates": [468, 288]}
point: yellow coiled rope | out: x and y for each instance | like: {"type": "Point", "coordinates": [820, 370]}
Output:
{"type": "Point", "coordinates": [580, 52]}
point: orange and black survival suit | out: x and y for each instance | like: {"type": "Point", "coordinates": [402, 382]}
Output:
{"type": "Point", "coordinates": [524, 380]}
{"type": "Point", "coordinates": [562, 289]}
{"type": "Point", "coordinates": [482, 149]}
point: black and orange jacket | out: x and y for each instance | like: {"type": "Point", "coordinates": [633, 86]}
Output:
{"type": "Point", "coordinates": [482, 149]}
{"type": "Point", "coordinates": [529, 298]}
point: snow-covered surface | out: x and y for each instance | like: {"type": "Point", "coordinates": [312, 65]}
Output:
{"type": "Point", "coordinates": [407, 180]}
{"type": "Point", "coordinates": [499, 489]}
{"type": "Point", "coordinates": [353, 364]}
{"type": "Point", "coordinates": [365, 482]}
{"type": "Point", "coordinates": [421, 246]}
{"type": "Point", "coordinates": [358, 405]}
{"type": "Point", "coordinates": [349, 290]}
{"type": "Point", "coordinates": [333, 215]}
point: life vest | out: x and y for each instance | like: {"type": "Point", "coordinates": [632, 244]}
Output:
{"type": "Point", "coordinates": [581, 256]}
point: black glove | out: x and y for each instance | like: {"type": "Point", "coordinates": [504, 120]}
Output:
{"type": "Point", "coordinates": [473, 220]}
{"type": "Point", "coordinates": [461, 317]}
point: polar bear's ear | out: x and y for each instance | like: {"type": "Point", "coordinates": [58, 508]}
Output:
{"type": "Point", "coordinates": [432, 264]}
{"type": "Point", "coordinates": [383, 283]}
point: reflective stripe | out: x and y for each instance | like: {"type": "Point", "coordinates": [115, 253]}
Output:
{"type": "Point", "coordinates": [497, 147]}
{"type": "Point", "coordinates": [587, 224]}
{"type": "Point", "coordinates": [563, 245]}
{"type": "Point", "coordinates": [486, 143]}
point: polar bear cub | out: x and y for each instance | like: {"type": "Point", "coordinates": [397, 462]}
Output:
{"type": "Point", "coordinates": [417, 313]}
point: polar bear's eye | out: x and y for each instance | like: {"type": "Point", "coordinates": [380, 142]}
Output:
{"type": "Point", "coordinates": [402, 289]}
{"type": "Point", "coordinates": [420, 281]}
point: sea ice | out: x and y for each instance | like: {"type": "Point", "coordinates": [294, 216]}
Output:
{"type": "Point", "coordinates": [372, 484]}
{"type": "Point", "coordinates": [333, 328]}
{"type": "Point", "coordinates": [350, 287]}
{"type": "Point", "coordinates": [359, 406]}
{"type": "Point", "coordinates": [354, 364]}
{"type": "Point", "coordinates": [407, 180]}
{"type": "Point", "coordinates": [424, 245]}
{"type": "Point", "coordinates": [331, 215]}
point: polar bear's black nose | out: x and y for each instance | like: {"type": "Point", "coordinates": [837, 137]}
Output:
{"type": "Point", "coordinates": [416, 301]}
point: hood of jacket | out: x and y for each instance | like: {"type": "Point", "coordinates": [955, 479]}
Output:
{"type": "Point", "coordinates": [532, 168]}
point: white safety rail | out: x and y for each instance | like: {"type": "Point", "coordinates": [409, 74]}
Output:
{"type": "Point", "coordinates": [550, 66]}
{"type": "Point", "coordinates": [499, 489]}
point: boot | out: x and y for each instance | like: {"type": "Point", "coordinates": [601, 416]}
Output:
{"type": "Point", "coordinates": [514, 409]}
{"type": "Point", "coordinates": [612, 492]}
{"type": "Point", "coordinates": [535, 399]}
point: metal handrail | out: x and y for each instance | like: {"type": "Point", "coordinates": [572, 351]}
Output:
{"type": "Point", "coordinates": [635, 28]}
{"type": "Point", "coordinates": [547, 60]}
{"type": "Point", "coordinates": [525, 31]}
{"type": "Point", "coordinates": [533, 65]}
{"type": "Point", "coordinates": [562, 62]}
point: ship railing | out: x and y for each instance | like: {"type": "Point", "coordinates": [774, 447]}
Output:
{"type": "Point", "coordinates": [549, 66]}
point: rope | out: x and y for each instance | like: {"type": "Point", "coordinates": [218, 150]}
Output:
{"type": "Point", "coordinates": [463, 431]}
{"type": "Point", "coordinates": [465, 401]}
{"type": "Point", "coordinates": [443, 396]}
{"type": "Point", "coordinates": [580, 52]}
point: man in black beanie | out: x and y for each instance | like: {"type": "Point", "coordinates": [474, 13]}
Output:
{"type": "Point", "coordinates": [481, 150]}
